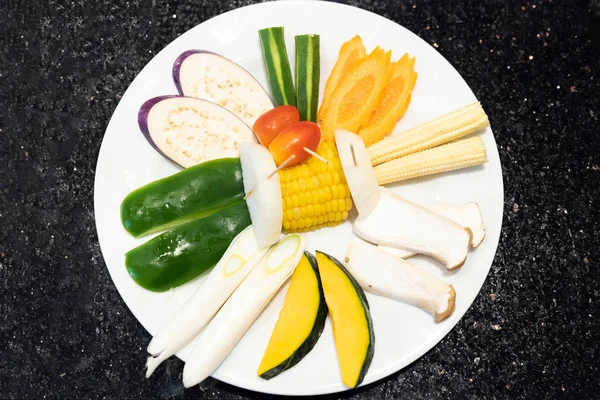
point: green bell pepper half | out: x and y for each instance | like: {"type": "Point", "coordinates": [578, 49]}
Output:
{"type": "Point", "coordinates": [183, 253]}
{"type": "Point", "coordinates": [182, 197]}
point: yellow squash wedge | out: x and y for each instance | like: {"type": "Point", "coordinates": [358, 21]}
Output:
{"type": "Point", "coordinates": [357, 95]}
{"type": "Point", "coordinates": [351, 320]}
{"type": "Point", "coordinates": [394, 102]}
{"type": "Point", "coordinates": [300, 322]}
{"type": "Point", "coordinates": [350, 54]}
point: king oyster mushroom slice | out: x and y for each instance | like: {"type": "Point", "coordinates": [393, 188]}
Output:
{"type": "Point", "coordinates": [382, 274]}
{"type": "Point", "coordinates": [397, 222]}
{"type": "Point", "coordinates": [467, 215]}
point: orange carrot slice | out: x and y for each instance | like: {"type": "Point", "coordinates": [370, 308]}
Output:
{"type": "Point", "coordinates": [350, 54]}
{"type": "Point", "coordinates": [395, 99]}
{"type": "Point", "coordinates": [358, 94]}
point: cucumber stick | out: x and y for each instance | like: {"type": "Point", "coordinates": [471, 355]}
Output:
{"type": "Point", "coordinates": [308, 68]}
{"type": "Point", "coordinates": [277, 65]}
{"type": "Point", "coordinates": [238, 313]}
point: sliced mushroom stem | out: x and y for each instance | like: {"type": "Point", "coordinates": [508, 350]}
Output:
{"type": "Point", "coordinates": [397, 222]}
{"type": "Point", "coordinates": [467, 215]}
{"type": "Point", "coordinates": [382, 274]}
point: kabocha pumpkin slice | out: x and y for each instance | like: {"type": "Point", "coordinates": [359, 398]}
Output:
{"type": "Point", "coordinates": [351, 320]}
{"type": "Point", "coordinates": [358, 94]}
{"type": "Point", "coordinates": [300, 322]}
{"type": "Point", "coordinates": [350, 54]}
{"type": "Point", "coordinates": [394, 102]}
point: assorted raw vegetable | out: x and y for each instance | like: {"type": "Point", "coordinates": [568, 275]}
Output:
{"type": "Point", "coordinates": [466, 215]}
{"type": "Point", "coordinates": [358, 171]}
{"type": "Point", "coordinates": [277, 65]}
{"type": "Point", "coordinates": [300, 322]}
{"type": "Point", "coordinates": [241, 309]}
{"type": "Point", "coordinates": [209, 76]}
{"type": "Point", "coordinates": [395, 99]}
{"type": "Point", "coordinates": [350, 54]}
{"type": "Point", "coordinates": [268, 125]}
{"type": "Point", "coordinates": [397, 222]}
{"type": "Point", "coordinates": [441, 130]}
{"type": "Point", "coordinates": [357, 94]}
{"type": "Point", "coordinates": [351, 320]}
{"type": "Point", "coordinates": [380, 273]}
{"type": "Point", "coordinates": [263, 193]}
{"type": "Point", "coordinates": [461, 154]}
{"type": "Point", "coordinates": [295, 170]}
{"type": "Point", "coordinates": [295, 143]}
{"type": "Point", "coordinates": [239, 259]}
{"type": "Point", "coordinates": [308, 73]}
{"type": "Point", "coordinates": [181, 254]}
{"type": "Point", "coordinates": [189, 131]}
{"type": "Point", "coordinates": [315, 195]}
{"type": "Point", "coordinates": [182, 197]}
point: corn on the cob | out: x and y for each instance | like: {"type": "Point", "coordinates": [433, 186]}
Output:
{"type": "Point", "coordinates": [460, 154]}
{"type": "Point", "coordinates": [444, 129]}
{"type": "Point", "coordinates": [314, 193]}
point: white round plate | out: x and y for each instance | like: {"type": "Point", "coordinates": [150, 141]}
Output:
{"type": "Point", "coordinates": [403, 333]}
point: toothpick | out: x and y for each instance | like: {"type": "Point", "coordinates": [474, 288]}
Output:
{"type": "Point", "coordinates": [282, 166]}
{"type": "Point", "coordinates": [318, 156]}
{"type": "Point", "coordinates": [353, 155]}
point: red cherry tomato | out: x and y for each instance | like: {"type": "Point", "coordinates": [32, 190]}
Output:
{"type": "Point", "coordinates": [292, 141]}
{"type": "Point", "coordinates": [268, 125]}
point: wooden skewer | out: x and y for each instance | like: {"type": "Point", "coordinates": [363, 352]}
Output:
{"type": "Point", "coordinates": [289, 160]}
{"type": "Point", "coordinates": [353, 155]}
{"type": "Point", "coordinates": [318, 156]}
{"type": "Point", "coordinates": [282, 166]}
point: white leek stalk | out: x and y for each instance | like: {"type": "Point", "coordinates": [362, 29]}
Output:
{"type": "Point", "coordinates": [239, 259]}
{"type": "Point", "coordinates": [243, 307]}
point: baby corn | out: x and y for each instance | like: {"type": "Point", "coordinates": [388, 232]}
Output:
{"type": "Point", "coordinates": [314, 193]}
{"type": "Point", "coordinates": [460, 154]}
{"type": "Point", "coordinates": [444, 129]}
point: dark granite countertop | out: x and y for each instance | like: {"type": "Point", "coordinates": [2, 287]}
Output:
{"type": "Point", "coordinates": [532, 332]}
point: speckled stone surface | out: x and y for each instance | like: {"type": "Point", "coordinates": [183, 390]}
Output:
{"type": "Point", "coordinates": [533, 331]}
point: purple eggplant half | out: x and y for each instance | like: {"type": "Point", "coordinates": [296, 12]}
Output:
{"type": "Point", "coordinates": [209, 76]}
{"type": "Point", "coordinates": [189, 131]}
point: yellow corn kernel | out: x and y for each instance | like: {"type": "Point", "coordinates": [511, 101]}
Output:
{"type": "Point", "coordinates": [315, 194]}
{"type": "Point", "coordinates": [302, 198]}
{"type": "Point", "coordinates": [321, 196]}
{"type": "Point", "coordinates": [348, 203]}
{"type": "Point", "coordinates": [334, 192]}
{"type": "Point", "coordinates": [341, 189]}
{"type": "Point", "coordinates": [336, 177]}
{"type": "Point", "coordinates": [327, 191]}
